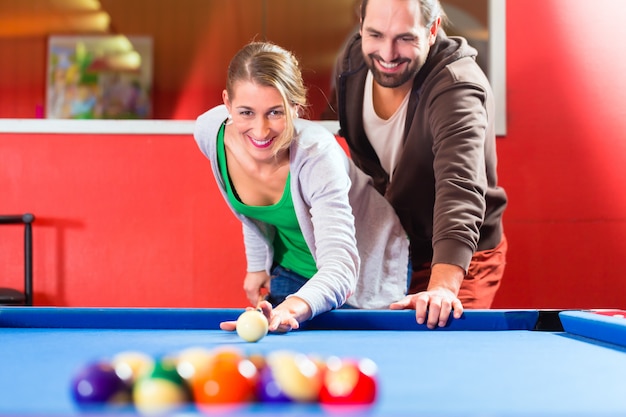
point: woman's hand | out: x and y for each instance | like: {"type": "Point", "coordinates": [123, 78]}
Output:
{"type": "Point", "coordinates": [285, 317]}
{"type": "Point", "coordinates": [256, 285]}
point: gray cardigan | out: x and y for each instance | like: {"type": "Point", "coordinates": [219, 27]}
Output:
{"type": "Point", "coordinates": [354, 235]}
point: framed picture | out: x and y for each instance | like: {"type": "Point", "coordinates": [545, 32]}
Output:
{"type": "Point", "coordinates": [99, 77]}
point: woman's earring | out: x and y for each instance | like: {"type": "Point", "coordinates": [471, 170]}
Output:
{"type": "Point", "coordinates": [229, 119]}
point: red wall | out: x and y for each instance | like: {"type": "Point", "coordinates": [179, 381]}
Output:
{"type": "Point", "coordinates": [136, 220]}
{"type": "Point", "coordinates": [122, 220]}
{"type": "Point", "coordinates": [563, 161]}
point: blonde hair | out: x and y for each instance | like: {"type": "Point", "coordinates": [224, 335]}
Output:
{"type": "Point", "coordinates": [267, 64]}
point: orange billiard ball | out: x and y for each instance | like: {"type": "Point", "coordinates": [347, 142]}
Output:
{"type": "Point", "coordinates": [230, 378]}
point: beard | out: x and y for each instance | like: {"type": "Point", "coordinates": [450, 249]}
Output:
{"type": "Point", "coordinates": [393, 80]}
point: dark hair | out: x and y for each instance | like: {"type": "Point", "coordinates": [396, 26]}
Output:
{"type": "Point", "coordinates": [431, 10]}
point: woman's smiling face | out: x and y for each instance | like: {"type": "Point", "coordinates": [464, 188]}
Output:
{"type": "Point", "coordinates": [258, 114]}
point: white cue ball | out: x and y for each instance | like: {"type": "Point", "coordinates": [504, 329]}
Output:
{"type": "Point", "coordinates": [252, 326]}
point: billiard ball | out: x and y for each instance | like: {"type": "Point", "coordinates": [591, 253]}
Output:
{"type": "Point", "coordinates": [252, 325]}
{"type": "Point", "coordinates": [192, 361]}
{"type": "Point", "coordinates": [130, 366]}
{"type": "Point", "coordinates": [97, 384]}
{"type": "Point", "coordinates": [268, 390]}
{"type": "Point", "coordinates": [230, 378]}
{"type": "Point", "coordinates": [290, 376]}
{"type": "Point", "coordinates": [162, 390]}
{"type": "Point", "coordinates": [258, 359]}
{"type": "Point", "coordinates": [349, 381]}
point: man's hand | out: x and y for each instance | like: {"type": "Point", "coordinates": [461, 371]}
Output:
{"type": "Point", "coordinates": [434, 305]}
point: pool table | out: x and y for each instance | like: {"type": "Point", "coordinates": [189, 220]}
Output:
{"type": "Point", "coordinates": [487, 363]}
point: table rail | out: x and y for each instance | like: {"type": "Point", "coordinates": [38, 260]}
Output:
{"type": "Point", "coordinates": [198, 319]}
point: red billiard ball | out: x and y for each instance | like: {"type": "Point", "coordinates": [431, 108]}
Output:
{"type": "Point", "coordinates": [97, 384]}
{"type": "Point", "coordinates": [349, 381]}
{"type": "Point", "coordinates": [229, 378]}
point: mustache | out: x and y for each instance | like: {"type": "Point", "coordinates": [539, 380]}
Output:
{"type": "Point", "coordinates": [398, 60]}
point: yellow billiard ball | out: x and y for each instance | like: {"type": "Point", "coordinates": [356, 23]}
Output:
{"type": "Point", "coordinates": [132, 365]}
{"type": "Point", "coordinates": [162, 390]}
{"type": "Point", "coordinates": [252, 325]}
{"type": "Point", "coordinates": [296, 375]}
{"type": "Point", "coordinates": [193, 361]}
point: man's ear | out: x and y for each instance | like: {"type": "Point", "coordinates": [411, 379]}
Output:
{"type": "Point", "coordinates": [434, 28]}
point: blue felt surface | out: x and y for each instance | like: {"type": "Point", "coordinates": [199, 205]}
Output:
{"type": "Point", "coordinates": [421, 373]}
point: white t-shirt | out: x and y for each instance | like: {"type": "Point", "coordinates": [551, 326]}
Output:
{"type": "Point", "coordinates": [385, 134]}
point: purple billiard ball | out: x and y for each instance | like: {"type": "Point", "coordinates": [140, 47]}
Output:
{"type": "Point", "coordinates": [98, 384]}
{"type": "Point", "coordinates": [268, 390]}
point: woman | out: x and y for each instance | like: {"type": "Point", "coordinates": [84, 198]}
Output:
{"type": "Point", "coordinates": [291, 185]}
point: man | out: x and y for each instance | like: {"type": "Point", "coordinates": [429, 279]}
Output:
{"type": "Point", "coordinates": [418, 115]}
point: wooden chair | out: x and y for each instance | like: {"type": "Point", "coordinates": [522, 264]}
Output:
{"type": "Point", "coordinates": [12, 296]}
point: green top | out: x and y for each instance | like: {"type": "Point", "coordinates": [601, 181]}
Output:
{"type": "Point", "coordinates": [290, 248]}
